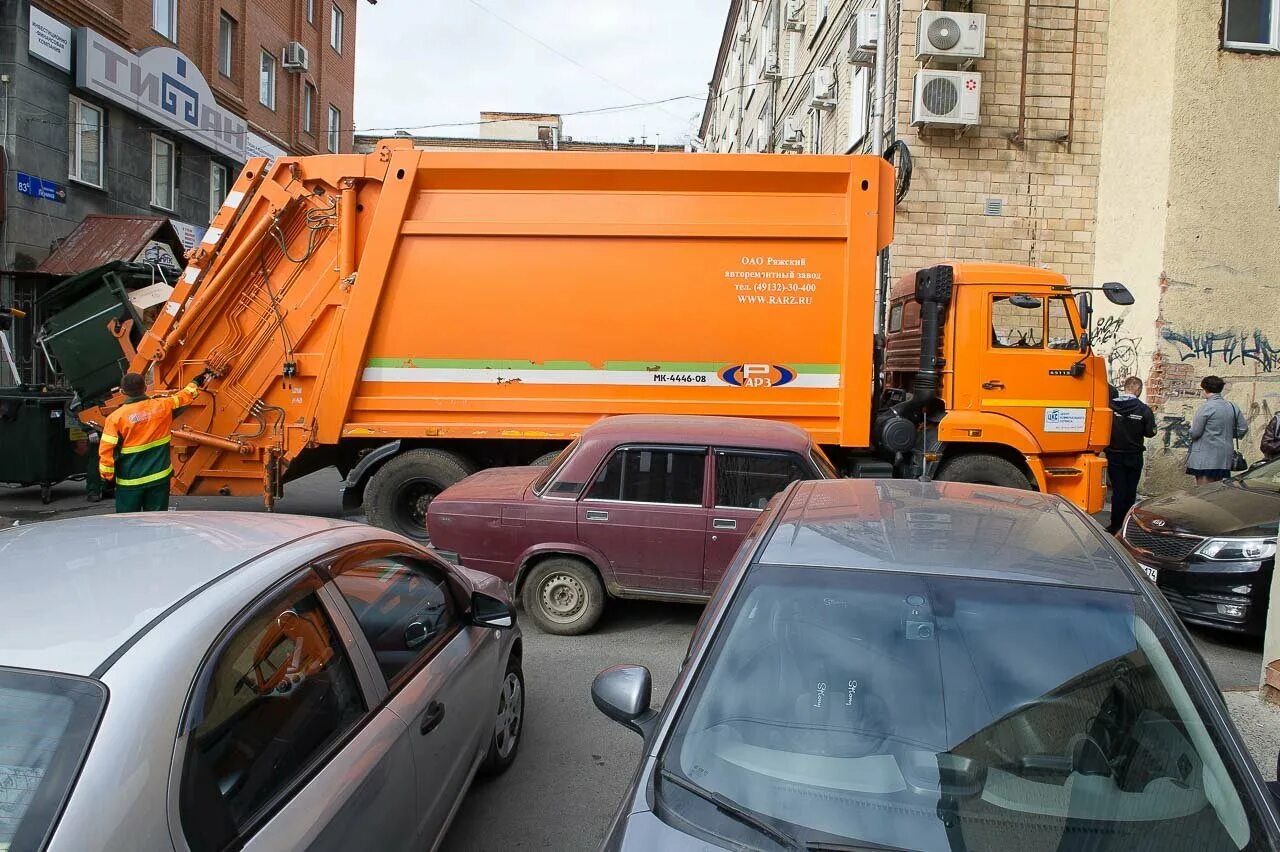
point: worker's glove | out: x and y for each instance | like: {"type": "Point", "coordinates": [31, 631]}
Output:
{"type": "Point", "coordinates": [94, 437]}
{"type": "Point", "coordinates": [199, 380]}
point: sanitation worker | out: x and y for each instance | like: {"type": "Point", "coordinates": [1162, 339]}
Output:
{"type": "Point", "coordinates": [134, 447]}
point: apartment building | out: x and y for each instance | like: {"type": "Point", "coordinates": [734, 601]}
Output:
{"type": "Point", "coordinates": [515, 131]}
{"type": "Point", "coordinates": [149, 108]}
{"type": "Point", "coordinates": [1000, 102]}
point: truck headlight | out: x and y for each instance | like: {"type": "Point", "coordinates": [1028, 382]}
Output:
{"type": "Point", "coordinates": [1238, 549]}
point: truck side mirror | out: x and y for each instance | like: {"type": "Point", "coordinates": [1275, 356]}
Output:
{"type": "Point", "coordinates": [1024, 301]}
{"type": "Point", "coordinates": [1117, 294]}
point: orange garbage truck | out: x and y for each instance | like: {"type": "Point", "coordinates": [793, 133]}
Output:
{"type": "Point", "coordinates": [410, 317]}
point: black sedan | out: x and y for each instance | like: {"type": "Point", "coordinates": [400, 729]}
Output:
{"type": "Point", "coordinates": [1212, 549]}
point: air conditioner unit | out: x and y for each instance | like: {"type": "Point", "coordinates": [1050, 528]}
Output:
{"type": "Point", "coordinates": [951, 35]}
{"type": "Point", "coordinates": [822, 88]}
{"type": "Point", "coordinates": [772, 69]}
{"type": "Point", "coordinates": [865, 31]}
{"type": "Point", "coordinates": [793, 134]}
{"type": "Point", "coordinates": [947, 98]}
{"type": "Point", "coordinates": [295, 57]}
{"type": "Point", "coordinates": [793, 18]}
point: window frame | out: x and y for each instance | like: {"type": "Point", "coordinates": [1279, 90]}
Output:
{"type": "Point", "coordinates": [898, 311]}
{"type": "Point", "coordinates": [331, 604]}
{"type": "Point", "coordinates": [227, 50]}
{"type": "Point", "coordinates": [309, 11]}
{"type": "Point", "coordinates": [337, 27]}
{"type": "Point", "coordinates": [333, 130]}
{"type": "Point", "coordinates": [803, 462]}
{"type": "Point", "coordinates": [171, 24]}
{"type": "Point", "coordinates": [158, 142]}
{"type": "Point", "coordinates": [74, 149]}
{"type": "Point", "coordinates": [691, 449]}
{"type": "Point", "coordinates": [267, 66]}
{"type": "Point", "coordinates": [859, 103]}
{"type": "Point", "coordinates": [218, 168]}
{"type": "Point", "coordinates": [1273, 46]}
{"type": "Point", "coordinates": [1044, 325]}
{"type": "Point", "coordinates": [330, 567]}
{"type": "Point", "coordinates": [309, 98]}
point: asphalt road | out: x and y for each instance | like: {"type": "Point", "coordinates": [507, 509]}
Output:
{"type": "Point", "coordinates": [574, 764]}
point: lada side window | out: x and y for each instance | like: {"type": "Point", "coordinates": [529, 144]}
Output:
{"type": "Point", "coordinates": [651, 475]}
{"type": "Point", "coordinates": [1015, 326]}
{"type": "Point", "coordinates": [749, 480]}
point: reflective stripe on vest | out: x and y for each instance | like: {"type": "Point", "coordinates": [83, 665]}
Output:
{"type": "Point", "coordinates": [124, 451]}
{"type": "Point", "coordinates": [110, 439]}
{"type": "Point", "coordinates": [146, 480]}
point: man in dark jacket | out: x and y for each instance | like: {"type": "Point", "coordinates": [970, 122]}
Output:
{"type": "Point", "coordinates": [1131, 424]}
{"type": "Point", "coordinates": [1271, 439]}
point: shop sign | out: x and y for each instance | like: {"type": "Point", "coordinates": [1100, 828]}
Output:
{"type": "Point", "coordinates": [49, 39]}
{"type": "Point", "coordinates": [161, 84]}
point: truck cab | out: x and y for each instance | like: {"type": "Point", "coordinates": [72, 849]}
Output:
{"type": "Point", "coordinates": [1020, 395]}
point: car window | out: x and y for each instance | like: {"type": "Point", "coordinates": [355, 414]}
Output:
{"type": "Point", "coordinates": [553, 469]}
{"type": "Point", "coordinates": [749, 480]}
{"type": "Point", "coordinates": [273, 701]}
{"type": "Point", "coordinates": [895, 318]}
{"type": "Point", "coordinates": [403, 608]}
{"type": "Point", "coordinates": [1264, 477]}
{"type": "Point", "coordinates": [46, 722]}
{"type": "Point", "coordinates": [936, 713]}
{"type": "Point", "coordinates": [1014, 327]}
{"type": "Point", "coordinates": [651, 475]}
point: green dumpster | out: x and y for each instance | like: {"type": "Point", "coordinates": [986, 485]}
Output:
{"type": "Point", "coordinates": [37, 447]}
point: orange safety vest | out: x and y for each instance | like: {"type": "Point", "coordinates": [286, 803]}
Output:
{"type": "Point", "coordinates": [138, 434]}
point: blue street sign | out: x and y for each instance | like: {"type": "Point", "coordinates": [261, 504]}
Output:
{"type": "Point", "coordinates": [41, 188]}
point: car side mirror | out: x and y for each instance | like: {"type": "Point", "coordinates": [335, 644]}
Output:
{"type": "Point", "coordinates": [624, 693]}
{"type": "Point", "coordinates": [488, 611]}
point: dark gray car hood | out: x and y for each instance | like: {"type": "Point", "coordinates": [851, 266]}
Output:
{"type": "Point", "coordinates": [1221, 509]}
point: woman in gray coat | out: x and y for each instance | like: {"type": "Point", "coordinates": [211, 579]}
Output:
{"type": "Point", "coordinates": [1214, 429]}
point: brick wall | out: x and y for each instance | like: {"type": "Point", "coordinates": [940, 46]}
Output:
{"type": "Point", "coordinates": [259, 25]}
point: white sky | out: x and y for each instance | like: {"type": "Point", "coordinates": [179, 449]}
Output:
{"type": "Point", "coordinates": [421, 62]}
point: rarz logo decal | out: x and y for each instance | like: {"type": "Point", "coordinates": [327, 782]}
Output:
{"type": "Point", "coordinates": [757, 375]}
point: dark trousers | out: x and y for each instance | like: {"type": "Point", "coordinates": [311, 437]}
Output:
{"type": "Point", "coordinates": [1124, 470]}
{"type": "Point", "coordinates": [152, 497]}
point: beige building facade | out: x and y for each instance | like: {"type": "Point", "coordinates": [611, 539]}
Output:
{"type": "Point", "coordinates": [1189, 214]}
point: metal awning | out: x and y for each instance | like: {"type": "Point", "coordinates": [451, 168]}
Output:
{"type": "Point", "coordinates": [100, 239]}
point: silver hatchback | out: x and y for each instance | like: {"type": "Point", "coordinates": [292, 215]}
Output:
{"type": "Point", "coordinates": [209, 681]}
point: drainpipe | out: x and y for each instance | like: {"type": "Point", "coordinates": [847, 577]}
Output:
{"type": "Point", "coordinates": [877, 148]}
{"type": "Point", "coordinates": [742, 76]}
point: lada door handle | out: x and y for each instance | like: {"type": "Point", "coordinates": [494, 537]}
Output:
{"type": "Point", "coordinates": [597, 515]}
{"type": "Point", "coordinates": [724, 524]}
{"type": "Point", "coordinates": [994, 384]}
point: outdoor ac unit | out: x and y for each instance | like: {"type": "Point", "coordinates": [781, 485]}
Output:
{"type": "Point", "coordinates": [865, 31]}
{"type": "Point", "coordinates": [772, 69]}
{"type": "Point", "coordinates": [822, 88]}
{"type": "Point", "coordinates": [793, 134]}
{"type": "Point", "coordinates": [295, 57]}
{"type": "Point", "coordinates": [947, 98]}
{"type": "Point", "coordinates": [793, 19]}
{"type": "Point", "coordinates": [951, 35]}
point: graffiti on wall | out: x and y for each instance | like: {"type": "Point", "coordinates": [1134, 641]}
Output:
{"type": "Point", "coordinates": [1226, 348]}
{"type": "Point", "coordinates": [1119, 347]}
{"type": "Point", "coordinates": [1175, 433]}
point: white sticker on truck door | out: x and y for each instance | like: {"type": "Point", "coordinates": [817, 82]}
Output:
{"type": "Point", "coordinates": [1064, 419]}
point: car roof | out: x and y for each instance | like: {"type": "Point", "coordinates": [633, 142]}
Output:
{"type": "Point", "coordinates": [698, 429]}
{"type": "Point", "coordinates": [77, 590]}
{"type": "Point", "coordinates": [946, 528]}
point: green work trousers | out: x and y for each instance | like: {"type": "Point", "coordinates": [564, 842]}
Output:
{"type": "Point", "coordinates": [152, 497]}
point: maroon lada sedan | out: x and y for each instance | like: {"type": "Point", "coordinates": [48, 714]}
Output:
{"type": "Point", "coordinates": [639, 506]}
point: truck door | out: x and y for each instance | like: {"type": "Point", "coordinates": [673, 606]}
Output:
{"type": "Point", "coordinates": [1025, 374]}
{"type": "Point", "coordinates": [645, 512]}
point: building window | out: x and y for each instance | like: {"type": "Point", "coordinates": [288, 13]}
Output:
{"type": "Point", "coordinates": [815, 131]}
{"type": "Point", "coordinates": [164, 18]}
{"type": "Point", "coordinates": [821, 7]}
{"type": "Point", "coordinates": [219, 181]}
{"type": "Point", "coordinates": [858, 100]}
{"type": "Point", "coordinates": [164, 173]}
{"type": "Point", "coordinates": [335, 125]}
{"type": "Point", "coordinates": [335, 28]}
{"type": "Point", "coordinates": [1252, 24]}
{"type": "Point", "coordinates": [226, 43]}
{"type": "Point", "coordinates": [310, 6]}
{"type": "Point", "coordinates": [308, 108]}
{"type": "Point", "coordinates": [267, 81]}
{"type": "Point", "coordinates": [85, 143]}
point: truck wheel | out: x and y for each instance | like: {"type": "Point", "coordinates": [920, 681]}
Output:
{"type": "Point", "coordinates": [563, 596]}
{"type": "Point", "coordinates": [545, 459]}
{"type": "Point", "coordinates": [400, 491]}
{"type": "Point", "coordinates": [982, 469]}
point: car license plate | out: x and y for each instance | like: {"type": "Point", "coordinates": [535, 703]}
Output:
{"type": "Point", "coordinates": [1152, 574]}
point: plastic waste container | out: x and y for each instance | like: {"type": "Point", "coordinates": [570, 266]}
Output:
{"type": "Point", "coordinates": [35, 445]}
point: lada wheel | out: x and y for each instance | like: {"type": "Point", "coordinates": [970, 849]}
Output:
{"type": "Point", "coordinates": [563, 596]}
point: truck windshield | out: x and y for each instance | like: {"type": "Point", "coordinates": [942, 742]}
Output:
{"type": "Point", "coordinates": [46, 723]}
{"type": "Point", "coordinates": [933, 713]}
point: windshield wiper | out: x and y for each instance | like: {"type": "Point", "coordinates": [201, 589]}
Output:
{"type": "Point", "coordinates": [730, 808]}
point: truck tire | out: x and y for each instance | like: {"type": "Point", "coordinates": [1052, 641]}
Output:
{"type": "Point", "coordinates": [545, 459]}
{"type": "Point", "coordinates": [399, 492]}
{"type": "Point", "coordinates": [983, 469]}
{"type": "Point", "coordinates": [563, 596]}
